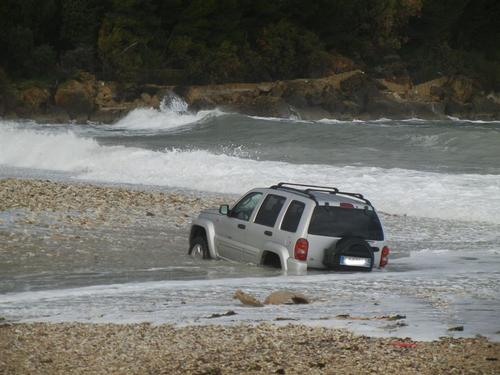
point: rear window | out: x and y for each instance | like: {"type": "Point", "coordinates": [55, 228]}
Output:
{"type": "Point", "coordinates": [292, 216]}
{"type": "Point", "coordinates": [345, 222]}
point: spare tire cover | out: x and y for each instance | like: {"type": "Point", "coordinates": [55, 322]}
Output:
{"type": "Point", "coordinates": [353, 246]}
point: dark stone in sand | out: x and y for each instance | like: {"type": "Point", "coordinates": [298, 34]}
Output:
{"type": "Point", "coordinates": [216, 315]}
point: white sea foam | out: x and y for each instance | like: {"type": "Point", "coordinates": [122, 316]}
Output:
{"type": "Point", "coordinates": [468, 197]}
{"type": "Point", "coordinates": [173, 113]}
{"type": "Point", "coordinates": [452, 118]}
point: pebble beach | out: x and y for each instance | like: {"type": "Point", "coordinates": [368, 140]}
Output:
{"type": "Point", "coordinates": [261, 349]}
{"type": "Point", "coordinates": [42, 221]}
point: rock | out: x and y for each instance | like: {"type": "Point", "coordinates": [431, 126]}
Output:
{"type": "Point", "coordinates": [75, 97]}
{"type": "Point", "coordinates": [395, 317]}
{"type": "Point", "coordinates": [458, 109]}
{"type": "Point", "coordinates": [247, 299]}
{"type": "Point", "coordinates": [227, 313]}
{"type": "Point", "coordinates": [269, 106]}
{"type": "Point", "coordinates": [106, 93]}
{"type": "Point", "coordinates": [340, 63]}
{"type": "Point", "coordinates": [285, 297]}
{"type": "Point", "coordinates": [109, 115]}
{"type": "Point", "coordinates": [430, 90]}
{"type": "Point", "coordinates": [401, 89]}
{"type": "Point", "coordinates": [486, 108]}
{"type": "Point", "coordinates": [35, 99]}
{"type": "Point", "coordinates": [462, 89]}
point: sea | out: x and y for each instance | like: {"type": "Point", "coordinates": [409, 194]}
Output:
{"type": "Point", "coordinates": [435, 183]}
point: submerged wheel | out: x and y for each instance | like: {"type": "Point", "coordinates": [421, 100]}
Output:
{"type": "Point", "coordinates": [199, 248]}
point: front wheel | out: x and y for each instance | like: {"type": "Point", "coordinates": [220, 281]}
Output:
{"type": "Point", "coordinates": [199, 248]}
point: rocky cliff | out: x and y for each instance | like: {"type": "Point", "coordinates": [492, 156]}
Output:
{"type": "Point", "coordinates": [347, 95]}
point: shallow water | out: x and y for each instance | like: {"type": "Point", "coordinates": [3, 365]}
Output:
{"type": "Point", "coordinates": [436, 182]}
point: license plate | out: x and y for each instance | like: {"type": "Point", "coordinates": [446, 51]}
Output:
{"type": "Point", "coordinates": [354, 261]}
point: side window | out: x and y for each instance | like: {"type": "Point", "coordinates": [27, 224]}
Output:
{"type": "Point", "coordinates": [270, 210]}
{"type": "Point", "coordinates": [292, 216]}
{"type": "Point", "coordinates": [243, 210]}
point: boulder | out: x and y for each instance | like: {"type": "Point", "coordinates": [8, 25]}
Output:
{"type": "Point", "coordinates": [247, 299]}
{"type": "Point", "coordinates": [401, 88]}
{"type": "Point", "coordinates": [430, 90]}
{"type": "Point", "coordinates": [77, 98]}
{"type": "Point", "coordinates": [35, 99]}
{"type": "Point", "coordinates": [462, 89]}
{"type": "Point", "coordinates": [486, 107]}
{"type": "Point", "coordinates": [106, 94]}
{"type": "Point", "coordinates": [285, 297]}
{"type": "Point", "coordinates": [340, 64]}
{"type": "Point", "coordinates": [268, 106]}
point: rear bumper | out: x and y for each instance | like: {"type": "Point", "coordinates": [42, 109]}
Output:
{"type": "Point", "coordinates": [296, 267]}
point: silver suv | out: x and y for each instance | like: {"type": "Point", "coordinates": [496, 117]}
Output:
{"type": "Point", "coordinates": [293, 227]}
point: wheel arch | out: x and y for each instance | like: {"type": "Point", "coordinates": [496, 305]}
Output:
{"type": "Point", "coordinates": [278, 250]}
{"type": "Point", "coordinates": [206, 229]}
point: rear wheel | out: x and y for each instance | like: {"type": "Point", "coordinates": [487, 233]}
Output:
{"type": "Point", "coordinates": [199, 248]}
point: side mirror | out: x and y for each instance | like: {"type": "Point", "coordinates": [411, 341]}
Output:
{"type": "Point", "coordinates": [224, 209]}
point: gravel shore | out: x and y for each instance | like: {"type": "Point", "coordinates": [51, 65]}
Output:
{"type": "Point", "coordinates": [263, 349]}
{"type": "Point", "coordinates": [52, 228]}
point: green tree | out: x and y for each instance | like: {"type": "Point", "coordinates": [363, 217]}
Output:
{"type": "Point", "coordinates": [130, 39]}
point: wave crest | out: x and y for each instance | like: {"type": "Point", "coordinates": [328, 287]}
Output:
{"type": "Point", "coordinates": [172, 114]}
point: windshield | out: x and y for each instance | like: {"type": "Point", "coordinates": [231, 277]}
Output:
{"type": "Point", "coordinates": [345, 222]}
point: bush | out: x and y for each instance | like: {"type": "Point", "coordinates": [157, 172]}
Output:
{"type": "Point", "coordinates": [80, 58]}
{"type": "Point", "coordinates": [20, 47]}
{"type": "Point", "coordinates": [43, 61]}
{"type": "Point", "coordinates": [290, 52]}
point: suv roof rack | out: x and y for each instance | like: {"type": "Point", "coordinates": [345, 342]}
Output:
{"type": "Point", "coordinates": [312, 188]}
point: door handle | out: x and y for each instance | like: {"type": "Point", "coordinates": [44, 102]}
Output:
{"type": "Point", "coordinates": [241, 226]}
{"type": "Point", "coordinates": [268, 233]}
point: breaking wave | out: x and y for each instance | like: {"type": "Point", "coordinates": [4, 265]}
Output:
{"type": "Point", "coordinates": [172, 114]}
{"type": "Point", "coordinates": [467, 197]}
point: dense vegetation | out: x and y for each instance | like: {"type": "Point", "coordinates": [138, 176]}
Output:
{"type": "Point", "coordinates": [204, 41]}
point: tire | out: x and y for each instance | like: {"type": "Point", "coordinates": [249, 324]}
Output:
{"type": "Point", "coordinates": [199, 248]}
{"type": "Point", "coordinates": [348, 246]}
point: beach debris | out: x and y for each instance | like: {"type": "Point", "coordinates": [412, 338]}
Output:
{"type": "Point", "coordinates": [247, 299]}
{"type": "Point", "coordinates": [456, 329]}
{"type": "Point", "coordinates": [395, 326]}
{"type": "Point", "coordinates": [285, 297]}
{"type": "Point", "coordinates": [282, 318]}
{"type": "Point", "coordinates": [403, 344]}
{"type": "Point", "coordinates": [217, 315]}
{"type": "Point", "coordinates": [149, 213]}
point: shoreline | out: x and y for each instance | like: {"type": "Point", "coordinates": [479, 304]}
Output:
{"type": "Point", "coordinates": [60, 229]}
{"type": "Point", "coordinates": [213, 349]}
{"type": "Point", "coordinates": [350, 95]}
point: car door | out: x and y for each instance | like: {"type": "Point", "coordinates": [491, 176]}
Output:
{"type": "Point", "coordinates": [262, 229]}
{"type": "Point", "coordinates": [232, 230]}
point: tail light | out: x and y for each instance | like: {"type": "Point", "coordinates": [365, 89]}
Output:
{"type": "Point", "coordinates": [301, 248]}
{"type": "Point", "coordinates": [384, 257]}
